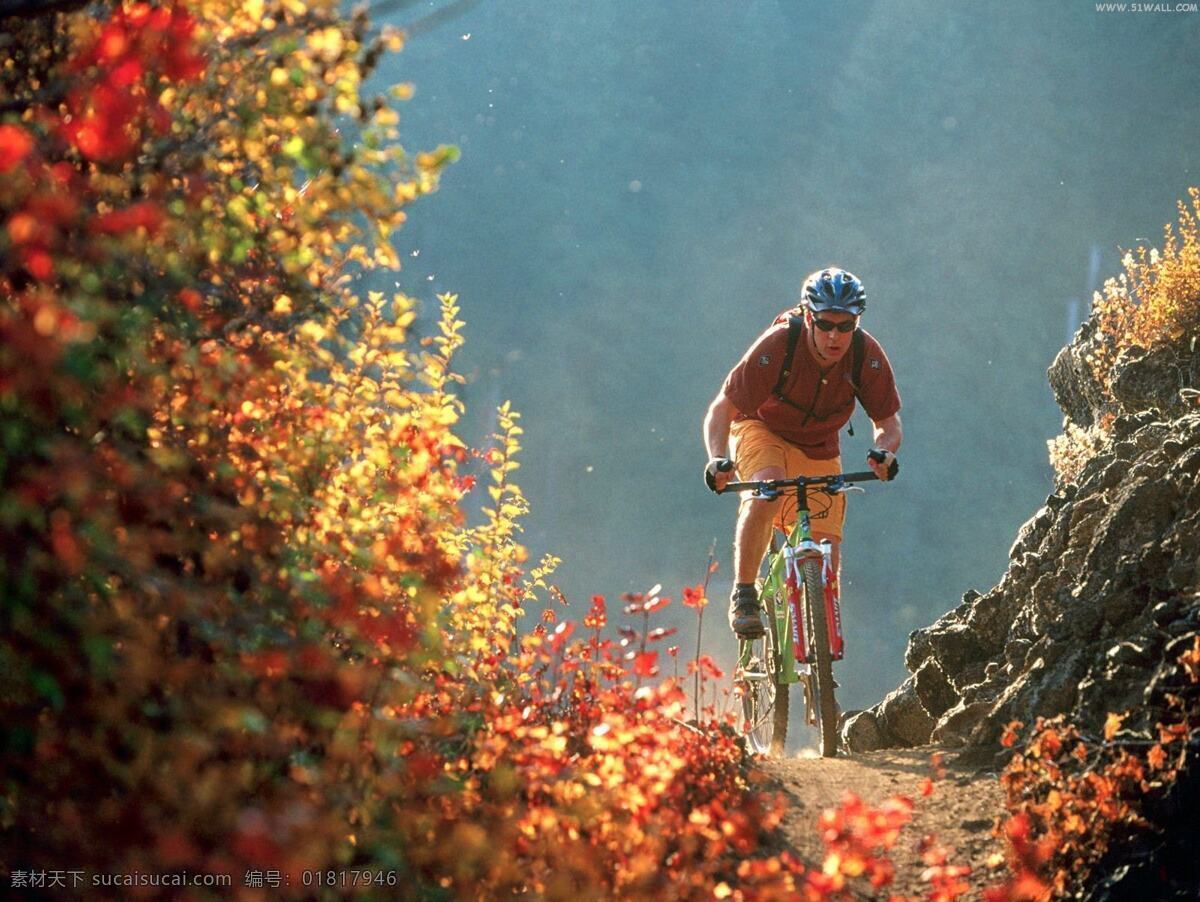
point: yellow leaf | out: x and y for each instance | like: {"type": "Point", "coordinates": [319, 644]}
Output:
{"type": "Point", "coordinates": [1112, 724]}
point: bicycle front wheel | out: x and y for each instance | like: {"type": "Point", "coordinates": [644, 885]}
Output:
{"type": "Point", "coordinates": [822, 659]}
{"type": "Point", "coordinates": [774, 604]}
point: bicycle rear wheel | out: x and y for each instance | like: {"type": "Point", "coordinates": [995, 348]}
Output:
{"type": "Point", "coordinates": [756, 682]}
{"type": "Point", "coordinates": [822, 660]}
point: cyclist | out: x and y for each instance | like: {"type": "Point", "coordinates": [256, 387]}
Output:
{"type": "Point", "coordinates": [776, 418]}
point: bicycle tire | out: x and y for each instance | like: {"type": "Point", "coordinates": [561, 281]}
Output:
{"type": "Point", "coordinates": [822, 660]}
{"type": "Point", "coordinates": [758, 693]}
{"type": "Point", "coordinates": [781, 701]}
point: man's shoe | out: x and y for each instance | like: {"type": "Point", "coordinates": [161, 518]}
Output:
{"type": "Point", "coordinates": [744, 616]}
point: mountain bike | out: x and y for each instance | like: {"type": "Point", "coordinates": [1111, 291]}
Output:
{"type": "Point", "coordinates": [802, 614]}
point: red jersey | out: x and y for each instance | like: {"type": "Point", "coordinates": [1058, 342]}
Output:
{"type": "Point", "coordinates": [824, 398]}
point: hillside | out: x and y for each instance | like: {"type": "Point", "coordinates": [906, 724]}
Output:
{"type": "Point", "coordinates": [1101, 596]}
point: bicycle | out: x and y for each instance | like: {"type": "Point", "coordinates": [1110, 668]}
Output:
{"type": "Point", "coordinates": [798, 644]}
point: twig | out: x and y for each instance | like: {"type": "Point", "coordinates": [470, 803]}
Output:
{"type": "Point", "coordinates": [708, 567]}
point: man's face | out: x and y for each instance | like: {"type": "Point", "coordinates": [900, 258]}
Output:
{"type": "Point", "coordinates": [831, 345]}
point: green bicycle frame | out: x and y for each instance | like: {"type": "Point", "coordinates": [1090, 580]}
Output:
{"type": "Point", "coordinates": [776, 584]}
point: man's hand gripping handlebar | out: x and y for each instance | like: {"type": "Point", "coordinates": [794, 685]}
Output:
{"type": "Point", "coordinates": [717, 472]}
{"type": "Point", "coordinates": [878, 459]}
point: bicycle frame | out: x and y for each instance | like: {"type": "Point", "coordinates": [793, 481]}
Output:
{"type": "Point", "coordinates": [784, 580]}
{"type": "Point", "coordinates": [804, 625]}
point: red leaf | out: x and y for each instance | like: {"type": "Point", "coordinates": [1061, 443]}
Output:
{"type": "Point", "coordinates": [146, 215]}
{"type": "Point", "coordinates": [693, 597]}
{"type": "Point", "coordinates": [645, 664]}
{"type": "Point", "coordinates": [15, 145]}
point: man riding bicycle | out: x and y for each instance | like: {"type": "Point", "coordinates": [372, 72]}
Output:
{"type": "Point", "coordinates": [778, 416]}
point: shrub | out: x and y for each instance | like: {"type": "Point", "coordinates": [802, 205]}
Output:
{"type": "Point", "coordinates": [1156, 300]}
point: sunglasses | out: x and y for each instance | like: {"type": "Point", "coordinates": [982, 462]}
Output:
{"type": "Point", "coordinates": [828, 325]}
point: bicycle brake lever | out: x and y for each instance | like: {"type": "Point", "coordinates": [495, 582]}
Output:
{"type": "Point", "coordinates": [766, 494]}
{"type": "Point", "coordinates": [842, 488]}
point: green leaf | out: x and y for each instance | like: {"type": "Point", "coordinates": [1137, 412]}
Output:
{"type": "Point", "coordinates": [253, 720]}
{"type": "Point", "coordinates": [48, 688]}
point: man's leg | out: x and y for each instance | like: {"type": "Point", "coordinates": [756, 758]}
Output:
{"type": "Point", "coordinates": [753, 532]}
{"type": "Point", "coordinates": [750, 541]}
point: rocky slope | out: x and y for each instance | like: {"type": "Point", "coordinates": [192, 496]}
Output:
{"type": "Point", "coordinates": [1103, 587]}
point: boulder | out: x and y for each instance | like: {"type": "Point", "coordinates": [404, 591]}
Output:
{"type": "Point", "coordinates": [959, 652]}
{"type": "Point", "coordinates": [933, 689]}
{"type": "Point", "coordinates": [1075, 387]}
{"type": "Point", "coordinates": [861, 733]}
{"type": "Point", "coordinates": [904, 717]}
{"type": "Point", "coordinates": [1143, 379]}
{"type": "Point", "coordinates": [957, 724]}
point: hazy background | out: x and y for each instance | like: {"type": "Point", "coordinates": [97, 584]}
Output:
{"type": "Point", "coordinates": [643, 186]}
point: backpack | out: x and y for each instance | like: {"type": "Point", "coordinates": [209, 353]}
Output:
{"type": "Point", "coordinates": [857, 353]}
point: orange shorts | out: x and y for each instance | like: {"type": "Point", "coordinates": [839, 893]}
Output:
{"type": "Point", "coordinates": [754, 447]}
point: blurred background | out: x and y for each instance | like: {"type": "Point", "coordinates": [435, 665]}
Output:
{"type": "Point", "coordinates": [644, 185]}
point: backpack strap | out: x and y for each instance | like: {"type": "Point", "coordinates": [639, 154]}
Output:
{"type": "Point", "coordinates": [858, 350]}
{"type": "Point", "coordinates": [795, 327]}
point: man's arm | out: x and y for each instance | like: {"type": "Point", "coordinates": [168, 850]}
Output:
{"type": "Point", "coordinates": [716, 433]}
{"type": "Point", "coordinates": [888, 435]}
{"type": "Point", "coordinates": [716, 425]}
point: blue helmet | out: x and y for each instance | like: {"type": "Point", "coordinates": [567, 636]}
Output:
{"type": "Point", "coordinates": [834, 289]}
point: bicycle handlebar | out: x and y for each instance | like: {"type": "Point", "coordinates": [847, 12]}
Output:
{"type": "Point", "coordinates": [774, 486]}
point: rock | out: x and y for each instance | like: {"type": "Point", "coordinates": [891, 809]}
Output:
{"type": "Point", "coordinates": [1184, 573]}
{"type": "Point", "coordinates": [1187, 466]}
{"type": "Point", "coordinates": [991, 618]}
{"type": "Point", "coordinates": [904, 717]}
{"type": "Point", "coordinates": [919, 647]}
{"type": "Point", "coordinates": [1121, 606]}
{"type": "Point", "coordinates": [1080, 613]}
{"type": "Point", "coordinates": [956, 725]}
{"type": "Point", "coordinates": [1126, 425]}
{"type": "Point", "coordinates": [1139, 514]}
{"type": "Point", "coordinates": [1048, 687]}
{"type": "Point", "coordinates": [958, 652]}
{"type": "Point", "coordinates": [1143, 379]}
{"type": "Point", "coordinates": [1163, 612]}
{"type": "Point", "coordinates": [1101, 590]}
{"type": "Point", "coordinates": [1101, 472]}
{"type": "Point", "coordinates": [861, 733]}
{"type": "Point", "coordinates": [1071, 380]}
{"type": "Point", "coordinates": [1016, 651]}
{"type": "Point", "coordinates": [1030, 535]}
{"type": "Point", "coordinates": [1124, 654]}
{"type": "Point", "coordinates": [933, 689]}
{"type": "Point", "coordinates": [1185, 626]}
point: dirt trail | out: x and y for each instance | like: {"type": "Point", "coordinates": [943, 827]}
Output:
{"type": "Point", "coordinates": [959, 813]}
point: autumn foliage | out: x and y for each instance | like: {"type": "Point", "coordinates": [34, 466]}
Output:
{"type": "Point", "coordinates": [1074, 799]}
{"type": "Point", "coordinates": [247, 628]}
{"type": "Point", "coordinates": [1153, 303]}
{"type": "Point", "coordinates": [1156, 300]}
{"type": "Point", "coordinates": [231, 545]}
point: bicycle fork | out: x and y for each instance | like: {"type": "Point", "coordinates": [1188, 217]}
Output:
{"type": "Point", "coordinates": [794, 560]}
